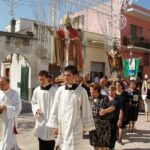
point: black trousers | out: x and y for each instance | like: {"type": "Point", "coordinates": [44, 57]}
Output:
{"type": "Point", "coordinates": [46, 145]}
{"type": "Point", "coordinates": [113, 137]}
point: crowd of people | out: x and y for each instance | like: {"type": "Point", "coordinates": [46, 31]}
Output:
{"type": "Point", "coordinates": [103, 108]}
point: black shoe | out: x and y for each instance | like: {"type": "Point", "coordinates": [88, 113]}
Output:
{"type": "Point", "coordinates": [120, 141]}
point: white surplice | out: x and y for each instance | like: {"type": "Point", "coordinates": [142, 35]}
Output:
{"type": "Point", "coordinates": [71, 113]}
{"type": "Point", "coordinates": [43, 99]}
{"type": "Point", "coordinates": [11, 99]}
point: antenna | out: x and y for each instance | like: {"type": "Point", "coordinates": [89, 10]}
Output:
{"type": "Point", "coordinates": [12, 4]}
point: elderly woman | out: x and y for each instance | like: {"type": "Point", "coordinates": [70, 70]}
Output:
{"type": "Point", "coordinates": [134, 95]}
{"type": "Point", "coordinates": [123, 96]}
{"type": "Point", "coordinates": [100, 137]}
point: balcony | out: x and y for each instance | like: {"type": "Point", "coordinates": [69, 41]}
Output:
{"type": "Point", "coordinates": [137, 41]}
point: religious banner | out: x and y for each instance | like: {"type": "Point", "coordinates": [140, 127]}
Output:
{"type": "Point", "coordinates": [131, 67]}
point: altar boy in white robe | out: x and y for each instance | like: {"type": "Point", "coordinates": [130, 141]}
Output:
{"type": "Point", "coordinates": [10, 107]}
{"type": "Point", "coordinates": [71, 112]}
{"type": "Point", "coordinates": [42, 101]}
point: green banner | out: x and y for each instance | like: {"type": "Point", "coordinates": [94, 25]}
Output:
{"type": "Point", "coordinates": [131, 67]}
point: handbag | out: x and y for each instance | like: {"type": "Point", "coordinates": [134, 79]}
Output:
{"type": "Point", "coordinates": [108, 116]}
{"type": "Point", "coordinates": [104, 105]}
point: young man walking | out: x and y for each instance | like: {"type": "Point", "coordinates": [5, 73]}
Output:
{"type": "Point", "coordinates": [42, 102]}
{"type": "Point", "coordinates": [71, 112]}
{"type": "Point", "coordinates": [10, 107]}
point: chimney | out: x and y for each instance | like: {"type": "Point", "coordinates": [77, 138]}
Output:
{"type": "Point", "coordinates": [12, 25]}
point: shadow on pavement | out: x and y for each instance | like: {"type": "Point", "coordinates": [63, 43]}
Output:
{"type": "Point", "coordinates": [26, 107]}
{"type": "Point", "coordinates": [25, 126]}
{"type": "Point", "coordinates": [138, 136]}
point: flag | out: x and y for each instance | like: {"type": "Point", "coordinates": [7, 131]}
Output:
{"type": "Point", "coordinates": [131, 67]}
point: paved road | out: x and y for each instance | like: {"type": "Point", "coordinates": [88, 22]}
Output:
{"type": "Point", "coordinates": [132, 141]}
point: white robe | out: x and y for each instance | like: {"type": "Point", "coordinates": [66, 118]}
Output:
{"type": "Point", "coordinates": [8, 119]}
{"type": "Point", "coordinates": [71, 113]}
{"type": "Point", "coordinates": [43, 99]}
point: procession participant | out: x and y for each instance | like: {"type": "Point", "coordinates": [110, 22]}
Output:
{"type": "Point", "coordinates": [146, 98]}
{"type": "Point", "coordinates": [86, 83]}
{"type": "Point", "coordinates": [134, 95]}
{"type": "Point", "coordinates": [144, 85]}
{"type": "Point", "coordinates": [104, 89]}
{"type": "Point", "coordinates": [10, 107]}
{"type": "Point", "coordinates": [42, 101]}
{"type": "Point", "coordinates": [99, 138]}
{"type": "Point", "coordinates": [123, 96]}
{"type": "Point", "coordinates": [117, 119]}
{"type": "Point", "coordinates": [71, 112]}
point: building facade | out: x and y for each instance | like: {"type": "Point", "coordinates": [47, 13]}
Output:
{"type": "Point", "coordinates": [21, 59]}
{"type": "Point", "coordinates": [23, 56]}
{"type": "Point", "coordinates": [135, 37]}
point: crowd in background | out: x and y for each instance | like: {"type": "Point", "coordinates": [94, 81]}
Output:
{"type": "Point", "coordinates": [115, 106]}
{"type": "Point", "coordinates": [127, 97]}
{"type": "Point", "coordinates": [104, 108]}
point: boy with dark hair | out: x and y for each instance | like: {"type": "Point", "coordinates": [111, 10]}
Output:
{"type": "Point", "coordinates": [42, 101]}
{"type": "Point", "coordinates": [43, 73]}
{"type": "Point", "coordinates": [72, 69]}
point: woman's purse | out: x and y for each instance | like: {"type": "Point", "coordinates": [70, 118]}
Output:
{"type": "Point", "coordinates": [104, 105]}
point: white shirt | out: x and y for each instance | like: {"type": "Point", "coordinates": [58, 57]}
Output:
{"type": "Point", "coordinates": [43, 99]}
{"type": "Point", "coordinates": [71, 113]}
{"type": "Point", "coordinates": [11, 99]}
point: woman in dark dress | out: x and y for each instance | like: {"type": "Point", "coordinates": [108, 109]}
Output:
{"type": "Point", "coordinates": [100, 137]}
{"type": "Point", "coordinates": [123, 96]}
{"type": "Point", "coordinates": [134, 95]}
{"type": "Point", "coordinates": [116, 121]}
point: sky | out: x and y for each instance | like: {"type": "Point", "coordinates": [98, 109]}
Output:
{"type": "Point", "coordinates": [24, 10]}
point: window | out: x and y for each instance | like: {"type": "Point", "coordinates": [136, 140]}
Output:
{"type": "Point", "coordinates": [146, 59]}
{"type": "Point", "coordinates": [133, 31]}
{"type": "Point", "coordinates": [136, 31]}
{"type": "Point", "coordinates": [97, 69]}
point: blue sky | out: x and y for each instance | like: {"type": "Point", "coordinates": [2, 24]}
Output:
{"type": "Point", "coordinates": [24, 11]}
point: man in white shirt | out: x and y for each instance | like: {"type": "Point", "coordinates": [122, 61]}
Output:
{"type": "Point", "coordinates": [104, 89]}
{"type": "Point", "coordinates": [10, 107]}
{"type": "Point", "coordinates": [71, 112]}
{"type": "Point", "coordinates": [42, 101]}
{"type": "Point", "coordinates": [144, 85]}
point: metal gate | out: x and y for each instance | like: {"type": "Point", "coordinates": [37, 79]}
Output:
{"type": "Point", "coordinates": [24, 82]}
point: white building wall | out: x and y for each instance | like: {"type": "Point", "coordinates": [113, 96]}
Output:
{"type": "Point", "coordinates": [95, 53]}
{"type": "Point", "coordinates": [33, 52]}
{"type": "Point", "coordinates": [15, 74]}
{"type": "Point", "coordinates": [21, 24]}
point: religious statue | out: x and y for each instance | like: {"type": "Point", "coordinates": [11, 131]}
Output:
{"type": "Point", "coordinates": [67, 44]}
{"type": "Point", "coordinates": [115, 60]}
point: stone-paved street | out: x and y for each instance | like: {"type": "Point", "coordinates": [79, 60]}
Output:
{"type": "Point", "coordinates": [132, 141]}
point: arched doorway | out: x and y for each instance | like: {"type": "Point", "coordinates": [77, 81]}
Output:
{"type": "Point", "coordinates": [17, 68]}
